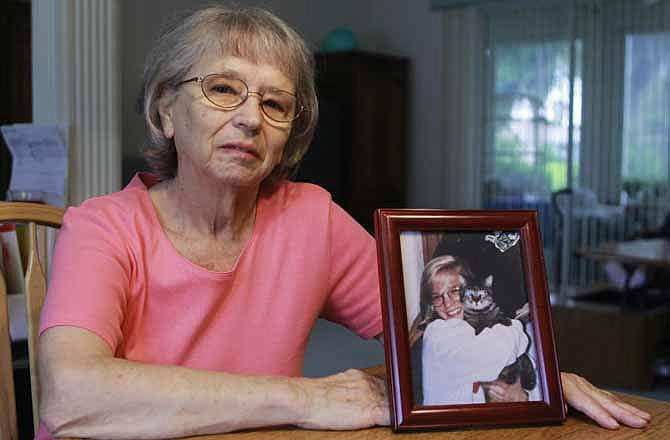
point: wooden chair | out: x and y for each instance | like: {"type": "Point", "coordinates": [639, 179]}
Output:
{"type": "Point", "coordinates": [32, 214]}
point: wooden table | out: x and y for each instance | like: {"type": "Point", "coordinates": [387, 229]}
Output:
{"type": "Point", "coordinates": [633, 254]}
{"type": "Point", "coordinates": [576, 427]}
{"type": "Point", "coordinates": [653, 252]}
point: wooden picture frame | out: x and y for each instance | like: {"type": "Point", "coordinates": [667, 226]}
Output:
{"type": "Point", "coordinates": [494, 255]}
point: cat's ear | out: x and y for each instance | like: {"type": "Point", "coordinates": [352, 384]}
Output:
{"type": "Point", "coordinates": [488, 281]}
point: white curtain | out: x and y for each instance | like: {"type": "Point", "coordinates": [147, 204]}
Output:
{"type": "Point", "coordinates": [77, 82]}
{"type": "Point", "coordinates": [464, 137]}
{"type": "Point", "coordinates": [612, 95]}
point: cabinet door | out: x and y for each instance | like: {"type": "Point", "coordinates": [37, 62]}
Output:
{"type": "Point", "coordinates": [325, 161]}
{"type": "Point", "coordinates": [359, 147]}
{"type": "Point", "coordinates": [378, 155]}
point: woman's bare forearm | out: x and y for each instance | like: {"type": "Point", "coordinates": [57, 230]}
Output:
{"type": "Point", "coordinates": [85, 392]}
{"type": "Point", "coordinates": [115, 398]}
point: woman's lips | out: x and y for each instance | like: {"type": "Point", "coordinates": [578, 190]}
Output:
{"type": "Point", "coordinates": [242, 148]}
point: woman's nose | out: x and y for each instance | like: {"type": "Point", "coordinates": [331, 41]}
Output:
{"type": "Point", "coordinates": [248, 116]}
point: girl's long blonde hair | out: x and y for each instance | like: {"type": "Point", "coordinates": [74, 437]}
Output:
{"type": "Point", "coordinates": [426, 311]}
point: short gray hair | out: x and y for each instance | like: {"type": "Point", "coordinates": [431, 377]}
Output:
{"type": "Point", "coordinates": [251, 33]}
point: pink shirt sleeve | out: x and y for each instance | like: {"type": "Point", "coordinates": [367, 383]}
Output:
{"type": "Point", "coordinates": [354, 301]}
{"type": "Point", "coordinates": [90, 276]}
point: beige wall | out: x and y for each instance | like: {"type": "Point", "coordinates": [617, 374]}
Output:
{"type": "Point", "coordinates": [399, 27]}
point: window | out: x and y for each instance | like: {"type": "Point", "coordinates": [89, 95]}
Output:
{"type": "Point", "coordinates": [531, 118]}
{"type": "Point", "coordinates": [646, 122]}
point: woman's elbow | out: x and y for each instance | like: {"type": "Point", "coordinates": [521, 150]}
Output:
{"type": "Point", "coordinates": [60, 404]}
{"type": "Point", "coordinates": [55, 421]}
{"type": "Point", "coordinates": [69, 370]}
{"type": "Point", "coordinates": [53, 407]}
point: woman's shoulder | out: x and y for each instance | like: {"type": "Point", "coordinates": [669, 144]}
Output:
{"type": "Point", "coordinates": [114, 210]}
{"type": "Point", "coordinates": [301, 190]}
{"type": "Point", "coordinates": [298, 195]}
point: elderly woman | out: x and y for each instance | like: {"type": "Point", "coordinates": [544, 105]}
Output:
{"type": "Point", "coordinates": [182, 304]}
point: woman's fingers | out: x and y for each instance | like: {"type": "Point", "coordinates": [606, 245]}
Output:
{"type": "Point", "coordinates": [603, 407]}
{"type": "Point", "coordinates": [585, 403]}
{"type": "Point", "coordinates": [625, 415]}
{"type": "Point", "coordinates": [348, 400]}
{"type": "Point", "coordinates": [383, 417]}
{"type": "Point", "coordinates": [606, 398]}
{"type": "Point", "coordinates": [634, 410]}
{"type": "Point", "coordinates": [621, 411]}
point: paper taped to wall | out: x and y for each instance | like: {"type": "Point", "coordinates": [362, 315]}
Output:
{"type": "Point", "coordinates": [40, 162]}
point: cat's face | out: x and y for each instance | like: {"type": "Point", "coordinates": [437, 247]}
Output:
{"type": "Point", "coordinates": [477, 297]}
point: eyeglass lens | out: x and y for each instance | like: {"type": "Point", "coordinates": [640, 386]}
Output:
{"type": "Point", "coordinates": [229, 93]}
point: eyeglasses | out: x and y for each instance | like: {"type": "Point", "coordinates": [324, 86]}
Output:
{"type": "Point", "coordinates": [229, 93]}
{"type": "Point", "coordinates": [454, 295]}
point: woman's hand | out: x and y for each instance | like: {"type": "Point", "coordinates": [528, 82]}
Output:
{"type": "Point", "coordinates": [603, 407]}
{"type": "Point", "coordinates": [348, 400]}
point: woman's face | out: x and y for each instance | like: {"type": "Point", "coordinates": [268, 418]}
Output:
{"type": "Point", "coordinates": [446, 294]}
{"type": "Point", "coordinates": [238, 147]}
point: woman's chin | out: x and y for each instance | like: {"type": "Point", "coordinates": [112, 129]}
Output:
{"type": "Point", "coordinates": [237, 178]}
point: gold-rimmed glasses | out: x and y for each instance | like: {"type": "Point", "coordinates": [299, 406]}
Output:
{"type": "Point", "coordinates": [229, 93]}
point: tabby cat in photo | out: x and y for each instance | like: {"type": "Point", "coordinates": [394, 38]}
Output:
{"type": "Point", "coordinates": [479, 308]}
{"type": "Point", "coordinates": [481, 311]}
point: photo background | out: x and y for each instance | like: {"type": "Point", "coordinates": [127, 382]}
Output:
{"type": "Point", "coordinates": [484, 259]}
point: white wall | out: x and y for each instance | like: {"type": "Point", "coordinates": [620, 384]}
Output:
{"type": "Point", "coordinates": [398, 27]}
{"type": "Point", "coordinates": [412, 29]}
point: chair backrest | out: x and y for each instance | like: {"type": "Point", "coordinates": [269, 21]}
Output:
{"type": "Point", "coordinates": [581, 198]}
{"type": "Point", "coordinates": [32, 214]}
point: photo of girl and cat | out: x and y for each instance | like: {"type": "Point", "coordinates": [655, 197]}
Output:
{"type": "Point", "coordinates": [470, 329]}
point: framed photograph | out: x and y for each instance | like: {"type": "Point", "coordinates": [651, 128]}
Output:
{"type": "Point", "coordinates": [467, 320]}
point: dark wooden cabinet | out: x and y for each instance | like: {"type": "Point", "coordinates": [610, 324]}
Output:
{"type": "Point", "coordinates": [360, 144]}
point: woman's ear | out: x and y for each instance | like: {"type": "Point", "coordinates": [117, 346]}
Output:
{"type": "Point", "coordinates": [165, 106]}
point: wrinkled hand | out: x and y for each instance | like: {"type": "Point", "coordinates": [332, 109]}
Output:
{"type": "Point", "coordinates": [603, 407]}
{"type": "Point", "coordinates": [499, 391]}
{"type": "Point", "coordinates": [348, 400]}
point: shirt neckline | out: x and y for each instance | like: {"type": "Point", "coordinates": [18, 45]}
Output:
{"type": "Point", "coordinates": [147, 180]}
